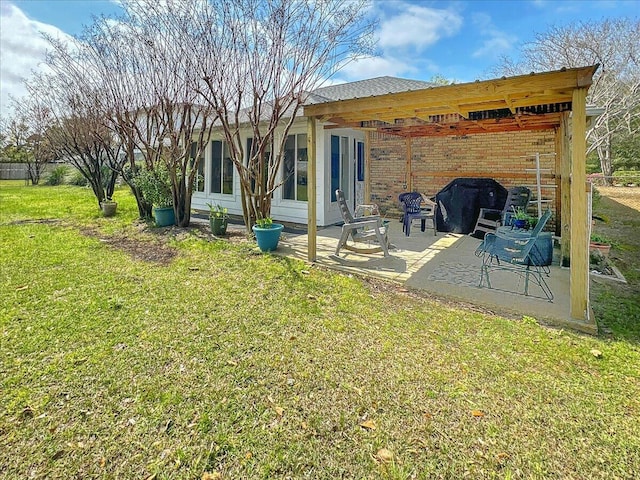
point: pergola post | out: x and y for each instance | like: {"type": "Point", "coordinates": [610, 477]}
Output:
{"type": "Point", "coordinates": [312, 198]}
{"type": "Point", "coordinates": [579, 280]}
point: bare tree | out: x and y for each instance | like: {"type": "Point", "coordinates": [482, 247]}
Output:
{"type": "Point", "coordinates": [26, 135]}
{"type": "Point", "coordinates": [257, 61]}
{"type": "Point", "coordinates": [77, 133]}
{"type": "Point", "coordinates": [154, 106]}
{"type": "Point", "coordinates": [615, 45]}
{"type": "Point", "coordinates": [139, 72]}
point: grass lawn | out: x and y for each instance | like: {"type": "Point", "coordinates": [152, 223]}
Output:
{"type": "Point", "coordinates": [617, 307]}
{"type": "Point", "coordinates": [133, 352]}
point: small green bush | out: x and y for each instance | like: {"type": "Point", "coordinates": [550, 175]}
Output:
{"type": "Point", "coordinates": [155, 186]}
{"type": "Point", "coordinates": [57, 176]}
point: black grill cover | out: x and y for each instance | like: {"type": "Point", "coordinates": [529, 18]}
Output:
{"type": "Point", "coordinates": [461, 200]}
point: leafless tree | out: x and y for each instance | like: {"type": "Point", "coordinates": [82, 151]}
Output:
{"type": "Point", "coordinates": [149, 79]}
{"type": "Point", "coordinates": [76, 133]}
{"type": "Point", "coordinates": [615, 45]}
{"type": "Point", "coordinates": [257, 61]}
{"type": "Point", "coordinates": [26, 135]}
{"type": "Point", "coordinates": [139, 71]}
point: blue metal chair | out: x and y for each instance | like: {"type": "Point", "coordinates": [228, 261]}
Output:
{"type": "Point", "coordinates": [519, 254]}
{"type": "Point", "coordinates": [413, 209]}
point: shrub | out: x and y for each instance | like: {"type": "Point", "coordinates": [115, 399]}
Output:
{"type": "Point", "coordinates": [56, 177]}
{"type": "Point", "coordinates": [155, 186]}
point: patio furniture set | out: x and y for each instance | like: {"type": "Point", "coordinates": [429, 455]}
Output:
{"type": "Point", "coordinates": [527, 253]}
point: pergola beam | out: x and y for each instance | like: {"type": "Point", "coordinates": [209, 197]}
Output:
{"type": "Point", "coordinates": [524, 90]}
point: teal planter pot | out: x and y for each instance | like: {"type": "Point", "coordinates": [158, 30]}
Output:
{"type": "Point", "coordinates": [164, 216]}
{"type": "Point", "coordinates": [268, 238]}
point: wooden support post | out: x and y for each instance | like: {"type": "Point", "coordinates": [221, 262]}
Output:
{"type": "Point", "coordinates": [579, 283]}
{"type": "Point", "coordinates": [564, 156]}
{"type": "Point", "coordinates": [312, 197]}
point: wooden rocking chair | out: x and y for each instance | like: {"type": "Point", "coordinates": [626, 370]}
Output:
{"type": "Point", "coordinates": [367, 228]}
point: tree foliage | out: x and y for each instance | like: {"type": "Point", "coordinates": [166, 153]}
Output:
{"type": "Point", "coordinates": [615, 46]}
{"type": "Point", "coordinates": [137, 72]}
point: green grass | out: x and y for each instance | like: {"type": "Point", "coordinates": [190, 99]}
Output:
{"type": "Point", "coordinates": [221, 360]}
{"type": "Point", "coordinates": [617, 306]}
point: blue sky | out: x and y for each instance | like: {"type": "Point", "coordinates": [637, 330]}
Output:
{"type": "Point", "coordinates": [459, 40]}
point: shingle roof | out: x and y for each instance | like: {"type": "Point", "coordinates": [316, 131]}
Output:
{"type": "Point", "coordinates": [366, 88]}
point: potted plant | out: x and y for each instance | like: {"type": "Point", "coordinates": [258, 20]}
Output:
{"type": "Point", "coordinates": [267, 233]}
{"type": "Point", "coordinates": [218, 219]}
{"type": "Point", "coordinates": [108, 207]}
{"type": "Point", "coordinates": [600, 244]}
{"type": "Point", "coordinates": [520, 217]}
{"type": "Point", "coordinates": [156, 189]}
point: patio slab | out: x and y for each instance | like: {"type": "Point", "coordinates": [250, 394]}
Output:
{"type": "Point", "coordinates": [444, 265]}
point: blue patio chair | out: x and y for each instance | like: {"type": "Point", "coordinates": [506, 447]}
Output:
{"type": "Point", "coordinates": [361, 229]}
{"type": "Point", "coordinates": [517, 253]}
{"type": "Point", "coordinates": [416, 207]}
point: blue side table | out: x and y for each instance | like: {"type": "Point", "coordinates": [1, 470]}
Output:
{"type": "Point", "coordinates": [544, 242]}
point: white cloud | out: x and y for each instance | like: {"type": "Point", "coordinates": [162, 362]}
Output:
{"type": "Point", "coordinates": [370, 67]}
{"type": "Point", "coordinates": [417, 27]}
{"type": "Point", "coordinates": [495, 42]}
{"type": "Point", "coordinates": [404, 32]}
{"type": "Point", "coordinates": [22, 50]}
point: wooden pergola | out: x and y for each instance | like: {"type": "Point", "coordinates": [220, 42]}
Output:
{"type": "Point", "coordinates": [549, 100]}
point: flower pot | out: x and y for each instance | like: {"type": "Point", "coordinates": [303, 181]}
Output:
{"type": "Point", "coordinates": [108, 208]}
{"type": "Point", "coordinates": [218, 225]}
{"type": "Point", "coordinates": [268, 238]}
{"type": "Point", "coordinates": [603, 248]}
{"type": "Point", "coordinates": [164, 216]}
{"type": "Point", "coordinates": [519, 223]}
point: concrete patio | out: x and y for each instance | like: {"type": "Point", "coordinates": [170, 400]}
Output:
{"type": "Point", "coordinates": [444, 265]}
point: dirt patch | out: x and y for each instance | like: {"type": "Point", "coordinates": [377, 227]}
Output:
{"type": "Point", "coordinates": [151, 244]}
{"type": "Point", "coordinates": [37, 221]}
{"type": "Point", "coordinates": [150, 249]}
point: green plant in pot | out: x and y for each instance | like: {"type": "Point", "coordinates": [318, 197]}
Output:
{"type": "Point", "coordinates": [600, 244]}
{"type": "Point", "coordinates": [218, 219]}
{"type": "Point", "coordinates": [156, 188]}
{"type": "Point", "coordinates": [520, 217]}
{"type": "Point", "coordinates": [267, 233]}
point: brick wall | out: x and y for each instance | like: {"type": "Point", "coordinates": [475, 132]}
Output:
{"type": "Point", "coordinates": [435, 161]}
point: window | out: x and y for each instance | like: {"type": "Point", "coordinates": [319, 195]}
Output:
{"type": "Point", "coordinates": [199, 180]}
{"type": "Point", "coordinates": [221, 168]}
{"type": "Point", "coordinates": [360, 160]}
{"type": "Point", "coordinates": [294, 168]}
{"type": "Point", "coordinates": [339, 165]}
{"type": "Point", "coordinates": [266, 159]}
